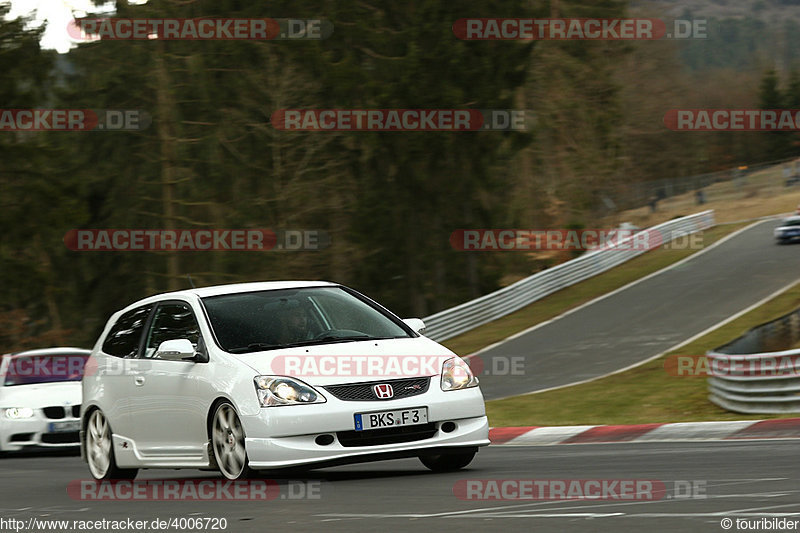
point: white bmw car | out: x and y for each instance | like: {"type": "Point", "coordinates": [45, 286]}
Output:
{"type": "Point", "coordinates": [789, 230]}
{"type": "Point", "coordinates": [40, 398]}
{"type": "Point", "coordinates": [260, 376]}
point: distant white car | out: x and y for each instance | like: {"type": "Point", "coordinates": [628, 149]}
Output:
{"type": "Point", "coordinates": [789, 230]}
{"type": "Point", "coordinates": [259, 376]}
{"type": "Point", "coordinates": [40, 398]}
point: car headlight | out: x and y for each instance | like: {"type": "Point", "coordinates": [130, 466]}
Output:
{"type": "Point", "coordinates": [456, 375]}
{"type": "Point", "coordinates": [16, 413]}
{"type": "Point", "coordinates": [277, 390]}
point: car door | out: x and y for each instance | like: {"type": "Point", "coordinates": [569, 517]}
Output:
{"type": "Point", "coordinates": [169, 405]}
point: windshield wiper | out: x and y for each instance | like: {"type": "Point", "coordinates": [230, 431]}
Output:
{"type": "Point", "coordinates": [332, 339]}
{"type": "Point", "coordinates": [328, 339]}
{"type": "Point", "coordinates": [346, 338]}
{"type": "Point", "coordinates": [254, 347]}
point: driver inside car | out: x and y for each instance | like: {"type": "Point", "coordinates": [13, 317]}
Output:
{"type": "Point", "coordinates": [294, 324]}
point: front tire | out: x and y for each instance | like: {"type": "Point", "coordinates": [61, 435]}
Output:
{"type": "Point", "coordinates": [100, 450]}
{"type": "Point", "coordinates": [227, 442]}
{"type": "Point", "coordinates": [447, 462]}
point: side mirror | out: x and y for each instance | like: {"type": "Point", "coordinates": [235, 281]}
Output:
{"type": "Point", "coordinates": [415, 324]}
{"type": "Point", "coordinates": [175, 350]}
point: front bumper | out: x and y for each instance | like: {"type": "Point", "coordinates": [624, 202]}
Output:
{"type": "Point", "coordinates": [16, 435]}
{"type": "Point", "coordinates": [784, 237]}
{"type": "Point", "coordinates": [286, 436]}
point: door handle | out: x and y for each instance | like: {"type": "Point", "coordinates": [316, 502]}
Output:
{"type": "Point", "coordinates": [139, 380]}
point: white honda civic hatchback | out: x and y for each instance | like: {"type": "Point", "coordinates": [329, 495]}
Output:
{"type": "Point", "coordinates": [260, 376]}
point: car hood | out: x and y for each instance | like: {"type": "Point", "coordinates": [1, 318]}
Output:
{"type": "Point", "coordinates": [352, 362]}
{"type": "Point", "coordinates": [41, 395]}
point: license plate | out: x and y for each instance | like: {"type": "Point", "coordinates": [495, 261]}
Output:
{"type": "Point", "coordinates": [391, 419]}
{"type": "Point", "coordinates": [66, 425]}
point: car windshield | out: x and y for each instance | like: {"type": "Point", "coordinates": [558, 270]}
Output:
{"type": "Point", "coordinates": [265, 320]}
{"type": "Point", "coordinates": [795, 222]}
{"type": "Point", "coordinates": [51, 368]}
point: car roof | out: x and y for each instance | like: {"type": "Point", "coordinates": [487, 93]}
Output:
{"type": "Point", "coordinates": [61, 350]}
{"type": "Point", "coordinates": [793, 218]}
{"type": "Point", "coordinates": [231, 288]}
{"type": "Point", "coordinates": [234, 288]}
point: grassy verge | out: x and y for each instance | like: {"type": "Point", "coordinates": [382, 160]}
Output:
{"type": "Point", "coordinates": [764, 194]}
{"type": "Point", "coordinates": [640, 395]}
{"type": "Point", "coordinates": [571, 297]}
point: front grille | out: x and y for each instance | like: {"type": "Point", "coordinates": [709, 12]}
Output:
{"type": "Point", "coordinates": [360, 392]}
{"type": "Point", "coordinates": [376, 437]}
{"type": "Point", "coordinates": [21, 437]}
{"type": "Point", "coordinates": [67, 437]}
{"type": "Point", "coordinates": [54, 412]}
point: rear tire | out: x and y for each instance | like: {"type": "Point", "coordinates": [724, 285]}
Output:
{"type": "Point", "coordinates": [447, 462]}
{"type": "Point", "coordinates": [99, 446]}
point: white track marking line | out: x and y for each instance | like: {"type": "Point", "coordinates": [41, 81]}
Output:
{"type": "Point", "coordinates": [578, 504]}
{"type": "Point", "coordinates": [638, 515]}
{"type": "Point", "coordinates": [446, 513]}
{"type": "Point", "coordinates": [498, 509]}
{"type": "Point", "coordinates": [757, 509]}
{"type": "Point", "coordinates": [512, 511]}
{"type": "Point", "coordinates": [556, 515]}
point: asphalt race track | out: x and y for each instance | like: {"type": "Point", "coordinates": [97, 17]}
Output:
{"type": "Point", "coordinates": [647, 318]}
{"type": "Point", "coordinates": [745, 480]}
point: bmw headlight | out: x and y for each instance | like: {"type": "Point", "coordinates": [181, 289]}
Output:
{"type": "Point", "coordinates": [15, 413]}
{"type": "Point", "coordinates": [456, 375]}
{"type": "Point", "coordinates": [276, 390]}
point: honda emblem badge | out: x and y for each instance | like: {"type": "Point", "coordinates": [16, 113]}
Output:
{"type": "Point", "coordinates": [383, 391]}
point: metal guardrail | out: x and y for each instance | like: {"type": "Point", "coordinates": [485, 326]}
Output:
{"type": "Point", "coordinates": [451, 322]}
{"type": "Point", "coordinates": [746, 378]}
